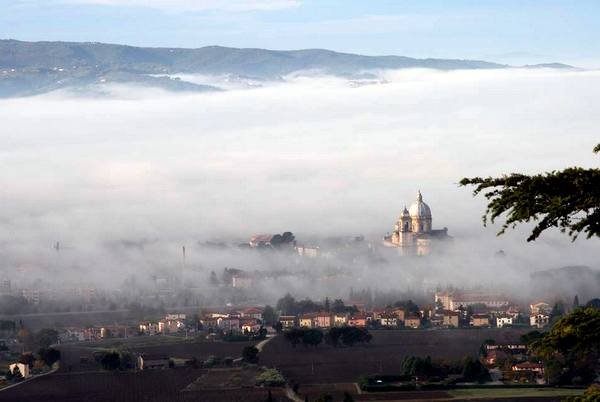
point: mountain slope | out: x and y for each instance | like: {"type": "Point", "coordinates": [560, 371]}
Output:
{"type": "Point", "coordinates": [36, 67]}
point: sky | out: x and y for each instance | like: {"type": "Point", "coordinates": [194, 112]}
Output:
{"type": "Point", "coordinates": [507, 31]}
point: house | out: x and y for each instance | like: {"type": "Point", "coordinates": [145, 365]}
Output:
{"type": "Point", "coordinates": [436, 320]}
{"type": "Point", "coordinates": [250, 325]}
{"type": "Point", "coordinates": [287, 321]}
{"type": "Point", "coordinates": [242, 281]}
{"type": "Point", "coordinates": [170, 326]}
{"type": "Point", "coordinates": [480, 320]}
{"type": "Point", "coordinates": [357, 321]}
{"type": "Point", "coordinates": [229, 324]}
{"type": "Point", "coordinates": [540, 307]}
{"type": "Point", "coordinates": [339, 320]}
{"type": "Point", "coordinates": [308, 251]}
{"type": "Point", "coordinates": [253, 312]}
{"type": "Point", "coordinates": [23, 369]}
{"type": "Point", "coordinates": [514, 312]}
{"type": "Point", "coordinates": [529, 367]}
{"type": "Point", "coordinates": [209, 322]}
{"type": "Point", "coordinates": [72, 334]}
{"type": "Point", "coordinates": [493, 356]}
{"type": "Point", "coordinates": [149, 361]}
{"type": "Point", "coordinates": [175, 317]}
{"type": "Point", "coordinates": [91, 334]}
{"type": "Point", "coordinates": [400, 313]}
{"type": "Point", "coordinates": [504, 321]}
{"type": "Point", "coordinates": [149, 328]}
{"type": "Point", "coordinates": [306, 320]}
{"type": "Point", "coordinates": [453, 300]}
{"type": "Point", "coordinates": [451, 318]}
{"type": "Point", "coordinates": [260, 240]}
{"type": "Point", "coordinates": [539, 320]}
{"type": "Point", "coordinates": [323, 320]}
{"type": "Point", "coordinates": [388, 320]}
{"type": "Point", "coordinates": [412, 322]}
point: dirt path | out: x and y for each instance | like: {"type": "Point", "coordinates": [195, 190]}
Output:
{"type": "Point", "coordinates": [260, 345]}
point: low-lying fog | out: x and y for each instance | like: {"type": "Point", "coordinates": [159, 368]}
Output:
{"type": "Point", "coordinates": [318, 156]}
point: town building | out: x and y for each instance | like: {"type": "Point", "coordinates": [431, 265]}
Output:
{"type": "Point", "coordinates": [504, 321]}
{"type": "Point", "coordinates": [149, 328]}
{"type": "Point", "coordinates": [388, 320]}
{"type": "Point", "coordinates": [339, 320]}
{"type": "Point", "coordinates": [413, 232]}
{"type": "Point", "coordinates": [357, 321]}
{"type": "Point", "coordinates": [451, 319]}
{"type": "Point", "coordinates": [452, 300]}
{"type": "Point", "coordinates": [540, 307]}
{"type": "Point", "coordinates": [253, 312]}
{"type": "Point", "coordinates": [480, 320]}
{"type": "Point", "coordinates": [537, 368]}
{"type": "Point", "coordinates": [23, 369]}
{"type": "Point", "coordinates": [308, 251]}
{"type": "Point", "coordinates": [287, 321]}
{"type": "Point", "coordinates": [412, 322]}
{"type": "Point", "coordinates": [539, 320]}
{"type": "Point", "coordinates": [306, 320]}
{"type": "Point", "coordinates": [149, 361]}
{"type": "Point", "coordinates": [323, 320]}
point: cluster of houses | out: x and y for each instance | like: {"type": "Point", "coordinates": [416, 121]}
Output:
{"type": "Point", "coordinates": [474, 309]}
{"type": "Point", "coordinates": [388, 318]}
{"type": "Point", "coordinates": [246, 321]}
{"type": "Point", "coordinates": [513, 361]}
{"type": "Point", "coordinates": [96, 333]}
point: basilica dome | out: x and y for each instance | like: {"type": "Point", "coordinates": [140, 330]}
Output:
{"type": "Point", "coordinates": [419, 209]}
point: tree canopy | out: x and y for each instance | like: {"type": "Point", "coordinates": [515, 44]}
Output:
{"type": "Point", "coordinates": [567, 199]}
{"type": "Point", "coordinates": [575, 333]}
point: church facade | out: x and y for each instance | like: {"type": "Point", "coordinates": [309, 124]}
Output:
{"type": "Point", "coordinates": [413, 232]}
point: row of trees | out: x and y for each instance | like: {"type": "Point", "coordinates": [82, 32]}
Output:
{"type": "Point", "coordinates": [288, 305]}
{"type": "Point", "coordinates": [336, 336]}
{"type": "Point", "coordinates": [470, 369]}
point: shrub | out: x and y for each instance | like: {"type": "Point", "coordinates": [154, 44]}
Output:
{"type": "Point", "coordinates": [270, 378]}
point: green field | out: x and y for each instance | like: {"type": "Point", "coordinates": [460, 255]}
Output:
{"type": "Point", "coordinates": [513, 392]}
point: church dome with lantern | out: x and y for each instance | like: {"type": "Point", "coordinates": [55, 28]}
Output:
{"type": "Point", "coordinates": [419, 209]}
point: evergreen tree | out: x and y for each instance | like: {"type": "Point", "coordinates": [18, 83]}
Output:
{"type": "Point", "coordinates": [576, 302]}
{"type": "Point", "coordinates": [327, 306]}
{"type": "Point", "coordinates": [566, 199]}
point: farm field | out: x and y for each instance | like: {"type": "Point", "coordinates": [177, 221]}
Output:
{"type": "Point", "coordinates": [558, 393]}
{"type": "Point", "coordinates": [79, 356]}
{"type": "Point", "coordinates": [147, 386]}
{"type": "Point", "coordinates": [384, 354]}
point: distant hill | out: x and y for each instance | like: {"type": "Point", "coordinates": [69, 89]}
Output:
{"type": "Point", "coordinates": [568, 281]}
{"type": "Point", "coordinates": [28, 68]}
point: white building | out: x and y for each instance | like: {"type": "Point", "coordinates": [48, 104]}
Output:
{"type": "Point", "coordinates": [539, 320]}
{"type": "Point", "coordinates": [503, 321]}
{"type": "Point", "coordinates": [23, 369]}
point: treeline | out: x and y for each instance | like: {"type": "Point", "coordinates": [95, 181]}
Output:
{"type": "Point", "coordinates": [336, 336]}
{"type": "Point", "coordinates": [288, 305]}
{"type": "Point", "coordinates": [430, 375]}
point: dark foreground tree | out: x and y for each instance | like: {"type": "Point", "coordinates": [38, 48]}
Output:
{"type": "Point", "coordinates": [250, 354]}
{"type": "Point", "coordinates": [567, 199]}
{"type": "Point", "coordinates": [49, 356]}
{"type": "Point", "coordinates": [572, 347]}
